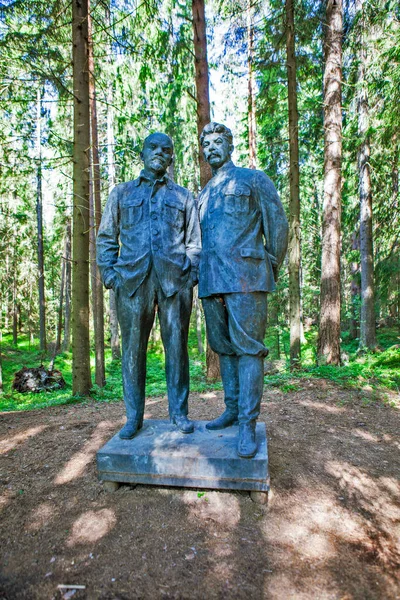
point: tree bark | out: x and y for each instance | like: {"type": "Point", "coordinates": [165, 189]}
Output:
{"type": "Point", "coordinates": [202, 81]}
{"type": "Point", "coordinates": [354, 289]}
{"type": "Point", "coordinates": [203, 118]}
{"type": "Point", "coordinates": [294, 201]}
{"type": "Point", "coordinates": [251, 102]}
{"type": "Point", "coordinates": [114, 328]}
{"type": "Point", "coordinates": [329, 327]}
{"type": "Point", "coordinates": [367, 317]}
{"type": "Point", "coordinates": [39, 215]}
{"type": "Point", "coordinates": [68, 274]}
{"type": "Point", "coordinates": [81, 378]}
{"type": "Point", "coordinates": [61, 302]}
{"type": "Point", "coordinates": [98, 307]}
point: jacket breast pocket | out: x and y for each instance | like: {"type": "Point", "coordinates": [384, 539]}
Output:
{"type": "Point", "coordinates": [237, 200]}
{"type": "Point", "coordinates": [174, 212]}
{"type": "Point", "coordinates": [131, 212]}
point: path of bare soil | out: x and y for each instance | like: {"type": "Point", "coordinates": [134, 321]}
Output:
{"type": "Point", "coordinates": [330, 531]}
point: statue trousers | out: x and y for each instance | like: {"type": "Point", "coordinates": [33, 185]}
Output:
{"type": "Point", "coordinates": [136, 317]}
{"type": "Point", "coordinates": [236, 326]}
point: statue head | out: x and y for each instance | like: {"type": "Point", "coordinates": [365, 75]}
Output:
{"type": "Point", "coordinates": [217, 143]}
{"type": "Point", "coordinates": [157, 153]}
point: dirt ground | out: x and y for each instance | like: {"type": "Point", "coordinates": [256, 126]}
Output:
{"type": "Point", "coordinates": [330, 531]}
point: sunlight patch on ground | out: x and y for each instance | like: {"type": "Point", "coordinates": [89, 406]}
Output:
{"type": "Point", "coordinates": [365, 489]}
{"type": "Point", "coordinates": [335, 410]}
{"type": "Point", "coordinates": [40, 516]}
{"type": "Point", "coordinates": [76, 466]}
{"type": "Point", "coordinates": [208, 395]}
{"type": "Point", "coordinates": [366, 435]}
{"type": "Point", "coordinates": [91, 526]}
{"type": "Point", "coordinates": [9, 443]}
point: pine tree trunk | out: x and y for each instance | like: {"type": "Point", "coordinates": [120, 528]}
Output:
{"type": "Point", "coordinates": [61, 302]}
{"type": "Point", "coordinates": [354, 289]}
{"type": "Point", "coordinates": [114, 329]}
{"type": "Point", "coordinates": [68, 273]}
{"type": "Point", "coordinates": [15, 312]}
{"type": "Point", "coordinates": [196, 301]}
{"type": "Point", "coordinates": [203, 118]}
{"type": "Point", "coordinates": [202, 81]}
{"type": "Point", "coordinates": [251, 95]}
{"type": "Point", "coordinates": [329, 327]}
{"type": "Point", "coordinates": [294, 201]}
{"type": "Point", "coordinates": [39, 214]}
{"type": "Point", "coordinates": [98, 312]}
{"type": "Point", "coordinates": [367, 317]}
{"type": "Point", "coordinates": [81, 378]}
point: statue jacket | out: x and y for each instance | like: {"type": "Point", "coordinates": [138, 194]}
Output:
{"type": "Point", "coordinates": [148, 223]}
{"type": "Point", "coordinates": [244, 232]}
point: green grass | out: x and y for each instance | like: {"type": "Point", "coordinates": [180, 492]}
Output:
{"type": "Point", "coordinates": [378, 371]}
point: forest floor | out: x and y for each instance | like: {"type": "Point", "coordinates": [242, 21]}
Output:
{"type": "Point", "coordinates": [330, 531]}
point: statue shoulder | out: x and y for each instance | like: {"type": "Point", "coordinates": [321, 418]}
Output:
{"type": "Point", "coordinates": [181, 192]}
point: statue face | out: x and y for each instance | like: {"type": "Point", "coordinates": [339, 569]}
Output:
{"type": "Point", "coordinates": [157, 153]}
{"type": "Point", "coordinates": [217, 150]}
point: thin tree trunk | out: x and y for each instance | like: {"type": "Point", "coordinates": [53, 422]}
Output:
{"type": "Point", "coordinates": [61, 302]}
{"type": "Point", "coordinates": [367, 317]}
{"type": "Point", "coordinates": [203, 118]}
{"type": "Point", "coordinates": [251, 108]}
{"type": "Point", "coordinates": [68, 287]}
{"type": "Point", "coordinates": [294, 201]}
{"type": "Point", "coordinates": [196, 301]}
{"type": "Point", "coordinates": [1, 362]}
{"type": "Point", "coordinates": [114, 328]}
{"type": "Point", "coordinates": [81, 378]}
{"type": "Point", "coordinates": [98, 312]}
{"type": "Point", "coordinates": [354, 289]}
{"type": "Point", "coordinates": [15, 312]}
{"type": "Point", "coordinates": [39, 214]}
{"type": "Point", "coordinates": [329, 327]}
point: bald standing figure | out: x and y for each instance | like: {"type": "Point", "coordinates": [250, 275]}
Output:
{"type": "Point", "coordinates": [148, 249]}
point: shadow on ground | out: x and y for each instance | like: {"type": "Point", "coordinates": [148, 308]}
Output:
{"type": "Point", "coordinates": [330, 530]}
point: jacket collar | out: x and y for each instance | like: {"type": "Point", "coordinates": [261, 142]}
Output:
{"type": "Point", "coordinates": [145, 176]}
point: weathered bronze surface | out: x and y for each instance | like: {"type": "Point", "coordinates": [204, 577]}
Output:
{"type": "Point", "coordinates": [148, 249]}
{"type": "Point", "coordinates": [244, 240]}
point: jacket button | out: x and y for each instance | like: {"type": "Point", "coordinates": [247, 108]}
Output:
{"type": "Point", "coordinates": [154, 216]}
{"type": "Point", "coordinates": [212, 244]}
{"type": "Point", "coordinates": [156, 247]}
{"type": "Point", "coordinates": [156, 231]}
{"type": "Point", "coordinates": [154, 199]}
{"type": "Point", "coordinates": [212, 226]}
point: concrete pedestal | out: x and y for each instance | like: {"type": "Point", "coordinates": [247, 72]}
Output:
{"type": "Point", "coordinates": [161, 455]}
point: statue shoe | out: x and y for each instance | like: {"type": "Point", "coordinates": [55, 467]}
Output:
{"type": "Point", "coordinates": [183, 423]}
{"type": "Point", "coordinates": [130, 429]}
{"type": "Point", "coordinates": [247, 446]}
{"type": "Point", "coordinates": [225, 420]}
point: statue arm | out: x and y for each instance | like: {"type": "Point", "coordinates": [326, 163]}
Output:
{"type": "Point", "coordinates": [192, 234]}
{"type": "Point", "coordinates": [107, 245]}
{"type": "Point", "coordinates": [274, 220]}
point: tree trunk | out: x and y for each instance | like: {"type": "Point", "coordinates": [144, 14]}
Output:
{"type": "Point", "coordinates": [61, 302]}
{"type": "Point", "coordinates": [39, 214]}
{"type": "Point", "coordinates": [203, 118]}
{"type": "Point", "coordinates": [202, 81]}
{"type": "Point", "coordinates": [196, 301]}
{"type": "Point", "coordinates": [354, 289]}
{"type": "Point", "coordinates": [329, 327]}
{"type": "Point", "coordinates": [294, 201]}
{"type": "Point", "coordinates": [81, 378]}
{"type": "Point", "coordinates": [98, 312]}
{"type": "Point", "coordinates": [68, 272]}
{"type": "Point", "coordinates": [251, 102]}
{"type": "Point", "coordinates": [114, 329]}
{"type": "Point", "coordinates": [367, 317]}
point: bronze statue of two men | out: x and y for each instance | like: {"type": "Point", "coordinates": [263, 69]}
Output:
{"type": "Point", "coordinates": [155, 243]}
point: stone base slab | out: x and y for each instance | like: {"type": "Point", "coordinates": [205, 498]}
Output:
{"type": "Point", "coordinates": [160, 455]}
